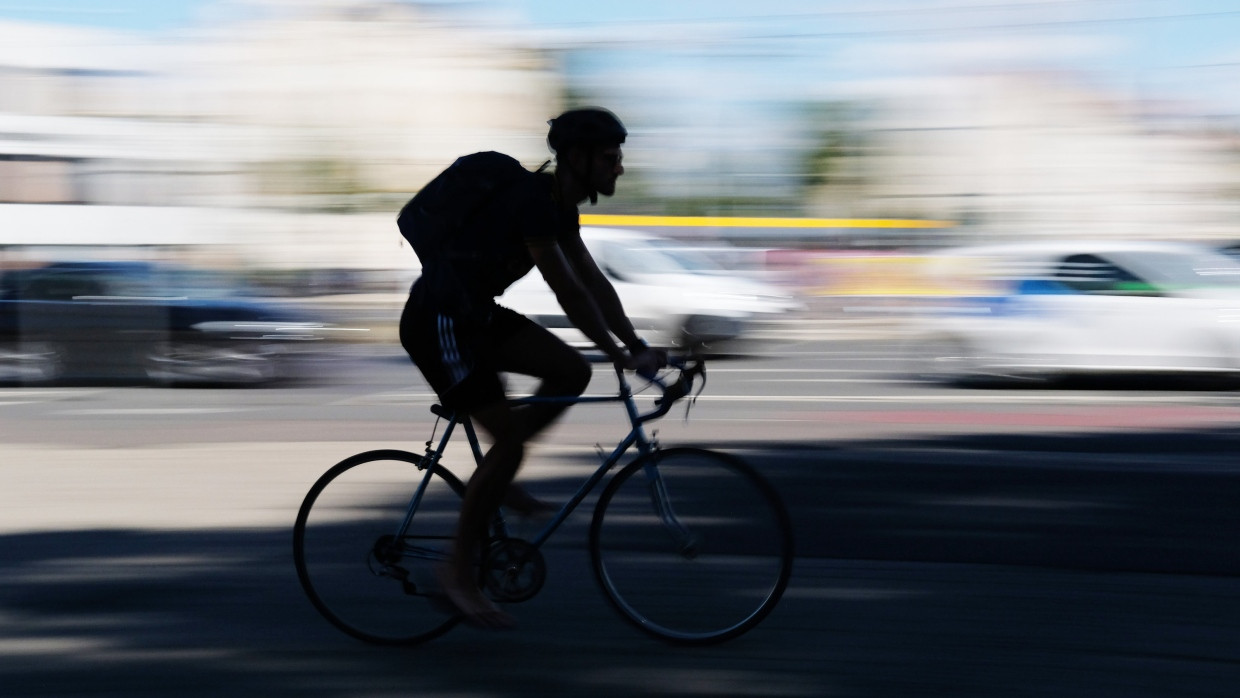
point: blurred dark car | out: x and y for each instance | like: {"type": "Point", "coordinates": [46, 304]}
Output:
{"type": "Point", "coordinates": [140, 321]}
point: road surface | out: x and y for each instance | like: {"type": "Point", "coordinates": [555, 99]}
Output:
{"type": "Point", "coordinates": [950, 543]}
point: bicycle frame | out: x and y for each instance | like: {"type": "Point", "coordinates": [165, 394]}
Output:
{"type": "Point", "coordinates": [636, 437]}
{"type": "Point", "coordinates": [736, 580]}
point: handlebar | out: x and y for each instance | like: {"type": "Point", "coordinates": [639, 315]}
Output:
{"type": "Point", "coordinates": [690, 368]}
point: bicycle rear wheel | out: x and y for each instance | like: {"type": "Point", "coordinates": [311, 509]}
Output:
{"type": "Point", "coordinates": [354, 563]}
{"type": "Point", "coordinates": [691, 546]}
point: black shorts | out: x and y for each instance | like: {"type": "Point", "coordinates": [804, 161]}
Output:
{"type": "Point", "coordinates": [459, 354]}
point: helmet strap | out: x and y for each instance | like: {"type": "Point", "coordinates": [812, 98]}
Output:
{"type": "Point", "coordinates": [590, 177]}
{"type": "Point", "coordinates": [584, 178]}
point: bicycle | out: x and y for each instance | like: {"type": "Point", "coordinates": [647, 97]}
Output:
{"type": "Point", "coordinates": [690, 545]}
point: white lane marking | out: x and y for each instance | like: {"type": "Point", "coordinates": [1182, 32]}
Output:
{"type": "Point", "coordinates": [824, 380]}
{"type": "Point", "coordinates": [387, 399]}
{"type": "Point", "coordinates": [44, 394]}
{"type": "Point", "coordinates": [420, 398]}
{"type": "Point", "coordinates": [953, 398]}
{"type": "Point", "coordinates": [37, 396]}
{"type": "Point", "coordinates": [799, 371]}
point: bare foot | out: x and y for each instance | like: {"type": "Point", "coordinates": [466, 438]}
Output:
{"type": "Point", "coordinates": [478, 610]}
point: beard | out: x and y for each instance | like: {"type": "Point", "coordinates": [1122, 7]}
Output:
{"type": "Point", "coordinates": [606, 188]}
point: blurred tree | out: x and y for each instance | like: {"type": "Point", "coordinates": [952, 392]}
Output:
{"type": "Point", "coordinates": [838, 140]}
{"type": "Point", "coordinates": [837, 169]}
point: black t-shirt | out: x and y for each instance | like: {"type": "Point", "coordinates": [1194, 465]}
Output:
{"type": "Point", "coordinates": [492, 253]}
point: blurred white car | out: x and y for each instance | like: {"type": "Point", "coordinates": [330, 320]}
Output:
{"type": "Point", "coordinates": [1041, 310]}
{"type": "Point", "coordinates": [674, 296]}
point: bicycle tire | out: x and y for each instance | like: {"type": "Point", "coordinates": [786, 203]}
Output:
{"type": "Point", "coordinates": [720, 581]}
{"type": "Point", "coordinates": [347, 563]}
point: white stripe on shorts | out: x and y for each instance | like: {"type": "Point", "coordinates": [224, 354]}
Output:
{"type": "Point", "coordinates": [449, 352]}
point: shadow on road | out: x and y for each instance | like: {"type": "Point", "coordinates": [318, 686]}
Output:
{"type": "Point", "coordinates": [1093, 565]}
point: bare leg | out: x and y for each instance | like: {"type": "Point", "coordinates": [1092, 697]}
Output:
{"type": "Point", "coordinates": [563, 372]}
{"type": "Point", "coordinates": [483, 496]}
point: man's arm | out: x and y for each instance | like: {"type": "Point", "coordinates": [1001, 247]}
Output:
{"type": "Point", "coordinates": [604, 294]}
{"type": "Point", "coordinates": [578, 302]}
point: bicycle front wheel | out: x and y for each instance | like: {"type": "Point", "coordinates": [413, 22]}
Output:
{"type": "Point", "coordinates": [365, 556]}
{"type": "Point", "coordinates": [691, 546]}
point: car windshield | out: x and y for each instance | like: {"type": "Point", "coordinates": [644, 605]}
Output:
{"type": "Point", "coordinates": [689, 258]}
{"type": "Point", "coordinates": [196, 283]}
{"type": "Point", "coordinates": [144, 281]}
{"type": "Point", "coordinates": [1187, 270]}
{"type": "Point", "coordinates": [635, 258]}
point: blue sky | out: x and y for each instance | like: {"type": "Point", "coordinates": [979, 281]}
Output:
{"type": "Point", "coordinates": [1147, 43]}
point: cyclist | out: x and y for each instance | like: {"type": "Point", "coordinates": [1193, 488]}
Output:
{"type": "Point", "coordinates": [462, 340]}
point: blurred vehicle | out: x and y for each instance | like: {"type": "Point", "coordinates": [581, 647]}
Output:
{"type": "Point", "coordinates": [1231, 249]}
{"type": "Point", "coordinates": [136, 320]}
{"type": "Point", "coordinates": [676, 297]}
{"type": "Point", "coordinates": [1045, 310]}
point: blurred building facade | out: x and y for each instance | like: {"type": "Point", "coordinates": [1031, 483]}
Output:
{"type": "Point", "coordinates": [1015, 156]}
{"type": "Point", "coordinates": [291, 139]}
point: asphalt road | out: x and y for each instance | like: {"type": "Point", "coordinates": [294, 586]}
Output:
{"type": "Point", "coordinates": [1066, 542]}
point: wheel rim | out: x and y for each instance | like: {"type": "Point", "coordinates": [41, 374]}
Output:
{"type": "Point", "coordinates": [355, 572]}
{"type": "Point", "coordinates": [717, 582]}
{"type": "Point", "coordinates": [32, 362]}
{"type": "Point", "coordinates": [947, 360]}
{"type": "Point", "coordinates": [222, 363]}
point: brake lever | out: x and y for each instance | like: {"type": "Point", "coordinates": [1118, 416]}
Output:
{"type": "Point", "coordinates": [699, 368]}
{"type": "Point", "coordinates": [683, 385]}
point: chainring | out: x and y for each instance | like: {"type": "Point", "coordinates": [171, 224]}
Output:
{"type": "Point", "coordinates": [513, 571]}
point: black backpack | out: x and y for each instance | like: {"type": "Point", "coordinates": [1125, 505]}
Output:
{"type": "Point", "coordinates": [449, 202]}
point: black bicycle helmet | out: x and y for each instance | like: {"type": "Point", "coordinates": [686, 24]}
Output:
{"type": "Point", "coordinates": [590, 126]}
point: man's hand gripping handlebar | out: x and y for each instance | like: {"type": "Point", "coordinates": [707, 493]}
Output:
{"type": "Point", "coordinates": [690, 368]}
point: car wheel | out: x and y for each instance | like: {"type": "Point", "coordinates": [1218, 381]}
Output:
{"type": "Point", "coordinates": [944, 359]}
{"type": "Point", "coordinates": [31, 362]}
{"type": "Point", "coordinates": [171, 363]}
{"type": "Point", "coordinates": [954, 361]}
{"type": "Point", "coordinates": [701, 330]}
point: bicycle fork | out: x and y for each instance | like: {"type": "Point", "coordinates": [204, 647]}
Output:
{"type": "Point", "coordinates": [687, 542]}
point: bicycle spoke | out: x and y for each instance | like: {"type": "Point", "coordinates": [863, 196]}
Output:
{"type": "Point", "coordinates": [691, 546]}
{"type": "Point", "coordinates": [364, 575]}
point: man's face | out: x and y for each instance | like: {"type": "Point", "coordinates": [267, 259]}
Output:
{"type": "Point", "coordinates": [606, 168]}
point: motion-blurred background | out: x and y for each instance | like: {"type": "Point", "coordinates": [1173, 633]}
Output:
{"type": "Point", "coordinates": [823, 145]}
{"type": "Point", "coordinates": [873, 193]}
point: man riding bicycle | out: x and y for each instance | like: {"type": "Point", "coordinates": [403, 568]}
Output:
{"type": "Point", "coordinates": [462, 340]}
